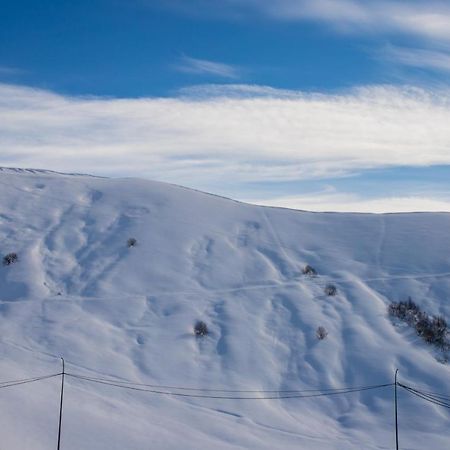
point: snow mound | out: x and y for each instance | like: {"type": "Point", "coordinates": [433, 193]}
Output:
{"type": "Point", "coordinates": [128, 313]}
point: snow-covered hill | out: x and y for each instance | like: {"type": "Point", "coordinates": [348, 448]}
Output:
{"type": "Point", "coordinates": [126, 313]}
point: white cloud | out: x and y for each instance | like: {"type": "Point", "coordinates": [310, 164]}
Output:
{"type": "Point", "coordinates": [425, 18]}
{"type": "Point", "coordinates": [419, 58]}
{"type": "Point", "coordinates": [429, 19]}
{"type": "Point", "coordinates": [205, 67]}
{"type": "Point", "coordinates": [240, 134]}
{"type": "Point", "coordinates": [343, 202]}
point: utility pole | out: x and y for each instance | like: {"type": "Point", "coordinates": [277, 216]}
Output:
{"type": "Point", "coordinates": [396, 411]}
{"type": "Point", "coordinates": [61, 403]}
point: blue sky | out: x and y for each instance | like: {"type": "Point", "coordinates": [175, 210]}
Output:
{"type": "Point", "coordinates": [331, 104]}
{"type": "Point", "coordinates": [138, 48]}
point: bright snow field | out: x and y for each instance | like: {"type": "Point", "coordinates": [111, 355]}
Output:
{"type": "Point", "coordinates": [78, 291]}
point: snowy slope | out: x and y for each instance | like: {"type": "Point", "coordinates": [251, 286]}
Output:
{"type": "Point", "coordinates": [128, 313]}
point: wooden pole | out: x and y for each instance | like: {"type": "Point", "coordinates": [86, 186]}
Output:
{"type": "Point", "coordinates": [61, 404]}
{"type": "Point", "coordinates": [396, 411]}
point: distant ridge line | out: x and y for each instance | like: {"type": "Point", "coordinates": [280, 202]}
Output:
{"type": "Point", "coordinates": [45, 171]}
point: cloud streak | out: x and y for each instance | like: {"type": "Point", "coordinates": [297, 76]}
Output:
{"type": "Point", "coordinates": [419, 58]}
{"type": "Point", "coordinates": [427, 19]}
{"type": "Point", "coordinates": [196, 66]}
{"type": "Point", "coordinates": [237, 134]}
{"type": "Point", "coordinates": [7, 70]}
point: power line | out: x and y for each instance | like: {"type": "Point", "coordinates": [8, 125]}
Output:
{"type": "Point", "coordinates": [6, 384]}
{"type": "Point", "coordinates": [428, 398]}
{"type": "Point", "coordinates": [306, 393]}
{"type": "Point", "coordinates": [247, 391]}
{"type": "Point", "coordinates": [158, 388]}
{"type": "Point", "coordinates": [269, 397]}
{"type": "Point", "coordinates": [238, 391]}
{"type": "Point", "coordinates": [417, 394]}
{"type": "Point", "coordinates": [433, 394]}
{"type": "Point", "coordinates": [162, 389]}
{"type": "Point", "coordinates": [424, 396]}
{"type": "Point", "coordinates": [188, 392]}
{"type": "Point", "coordinates": [20, 380]}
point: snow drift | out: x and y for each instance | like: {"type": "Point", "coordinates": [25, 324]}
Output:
{"type": "Point", "coordinates": [128, 313]}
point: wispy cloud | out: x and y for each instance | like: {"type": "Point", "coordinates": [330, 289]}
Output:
{"type": "Point", "coordinates": [205, 67]}
{"type": "Point", "coordinates": [424, 18]}
{"type": "Point", "coordinates": [7, 70]}
{"type": "Point", "coordinates": [226, 135]}
{"type": "Point", "coordinates": [428, 19]}
{"type": "Point", "coordinates": [420, 58]}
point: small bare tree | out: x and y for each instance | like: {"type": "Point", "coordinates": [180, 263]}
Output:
{"type": "Point", "coordinates": [10, 258]}
{"type": "Point", "coordinates": [321, 333]}
{"type": "Point", "coordinates": [309, 270]}
{"type": "Point", "coordinates": [330, 290]}
{"type": "Point", "coordinates": [131, 242]}
{"type": "Point", "coordinates": [200, 328]}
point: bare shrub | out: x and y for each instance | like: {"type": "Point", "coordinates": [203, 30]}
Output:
{"type": "Point", "coordinates": [407, 311]}
{"type": "Point", "coordinates": [330, 290]}
{"type": "Point", "coordinates": [200, 328]}
{"type": "Point", "coordinates": [308, 270]}
{"type": "Point", "coordinates": [411, 305]}
{"type": "Point", "coordinates": [433, 330]}
{"type": "Point", "coordinates": [131, 242]}
{"type": "Point", "coordinates": [440, 329]}
{"type": "Point", "coordinates": [422, 324]}
{"type": "Point", "coordinates": [10, 258]}
{"type": "Point", "coordinates": [321, 333]}
{"type": "Point", "coordinates": [393, 309]}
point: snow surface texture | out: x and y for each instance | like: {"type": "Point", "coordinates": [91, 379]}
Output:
{"type": "Point", "coordinates": [78, 291]}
